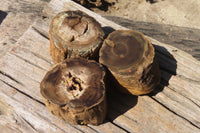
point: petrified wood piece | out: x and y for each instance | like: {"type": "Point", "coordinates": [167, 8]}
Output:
{"type": "Point", "coordinates": [130, 58]}
{"type": "Point", "coordinates": [74, 90]}
{"type": "Point", "coordinates": [74, 34]}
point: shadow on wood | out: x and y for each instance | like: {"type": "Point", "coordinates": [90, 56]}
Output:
{"type": "Point", "coordinates": [108, 30]}
{"type": "Point", "coordinates": [118, 103]}
{"type": "Point", "coordinates": [167, 64]}
{"type": "Point", "coordinates": [2, 16]}
{"type": "Point", "coordinates": [162, 55]}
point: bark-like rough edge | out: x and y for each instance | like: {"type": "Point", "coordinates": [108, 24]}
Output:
{"type": "Point", "coordinates": [61, 49]}
{"type": "Point", "coordinates": [94, 114]}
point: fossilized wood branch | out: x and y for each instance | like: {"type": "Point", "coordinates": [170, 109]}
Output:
{"type": "Point", "coordinates": [130, 58]}
{"type": "Point", "coordinates": [74, 34]}
{"type": "Point", "coordinates": [74, 90]}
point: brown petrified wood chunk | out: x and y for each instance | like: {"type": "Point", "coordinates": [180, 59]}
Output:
{"type": "Point", "coordinates": [74, 34]}
{"type": "Point", "coordinates": [74, 90]}
{"type": "Point", "coordinates": [130, 58]}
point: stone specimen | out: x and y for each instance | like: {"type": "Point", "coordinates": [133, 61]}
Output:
{"type": "Point", "coordinates": [130, 57]}
{"type": "Point", "coordinates": [74, 34]}
{"type": "Point", "coordinates": [74, 91]}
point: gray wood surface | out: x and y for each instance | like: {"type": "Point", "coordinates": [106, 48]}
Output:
{"type": "Point", "coordinates": [15, 18]}
{"type": "Point", "coordinates": [173, 107]}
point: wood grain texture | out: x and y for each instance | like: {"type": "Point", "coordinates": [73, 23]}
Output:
{"type": "Point", "coordinates": [23, 71]}
{"type": "Point", "coordinates": [23, 68]}
{"type": "Point", "coordinates": [174, 107]}
{"type": "Point", "coordinates": [15, 18]}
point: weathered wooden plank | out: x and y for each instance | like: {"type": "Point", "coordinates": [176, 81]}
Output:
{"type": "Point", "coordinates": [28, 80]}
{"type": "Point", "coordinates": [167, 54]}
{"type": "Point", "coordinates": [28, 55]}
{"type": "Point", "coordinates": [183, 86]}
{"type": "Point", "coordinates": [17, 65]}
{"type": "Point", "coordinates": [180, 104]}
{"type": "Point", "coordinates": [129, 125]}
{"type": "Point", "coordinates": [189, 93]}
{"type": "Point", "coordinates": [182, 69]}
{"type": "Point", "coordinates": [8, 121]}
{"type": "Point", "coordinates": [40, 48]}
{"type": "Point", "coordinates": [39, 109]}
{"type": "Point", "coordinates": [182, 63]}
{"type": "Point", "coordinates": [123, 121]}
{"type": "Point", "coordinates": [26, 64]}
{"type": "Point", "coordinates": [18, 16]}
{"type": "Point", "coordinates": [143, 114]}
{"type": "Point", "coordinates": [133, 117]}
{"type": "Point", "coordinates": [31, 112]}
{"type": "Point", "coordinates": [23, 69]}
{"type": "Point", "coordinates": [107, 127]}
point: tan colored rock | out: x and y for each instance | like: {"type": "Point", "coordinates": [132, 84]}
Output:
{"type": "Point", "coordinates": [74, 34]}
{"type": "Point", "coordinates": [74, 91]}
{"type": "Point", "coordinates": [130, 57]}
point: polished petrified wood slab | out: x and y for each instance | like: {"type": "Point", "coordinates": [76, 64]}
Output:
{"type": "Point", "coordinates": [174, 108]}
